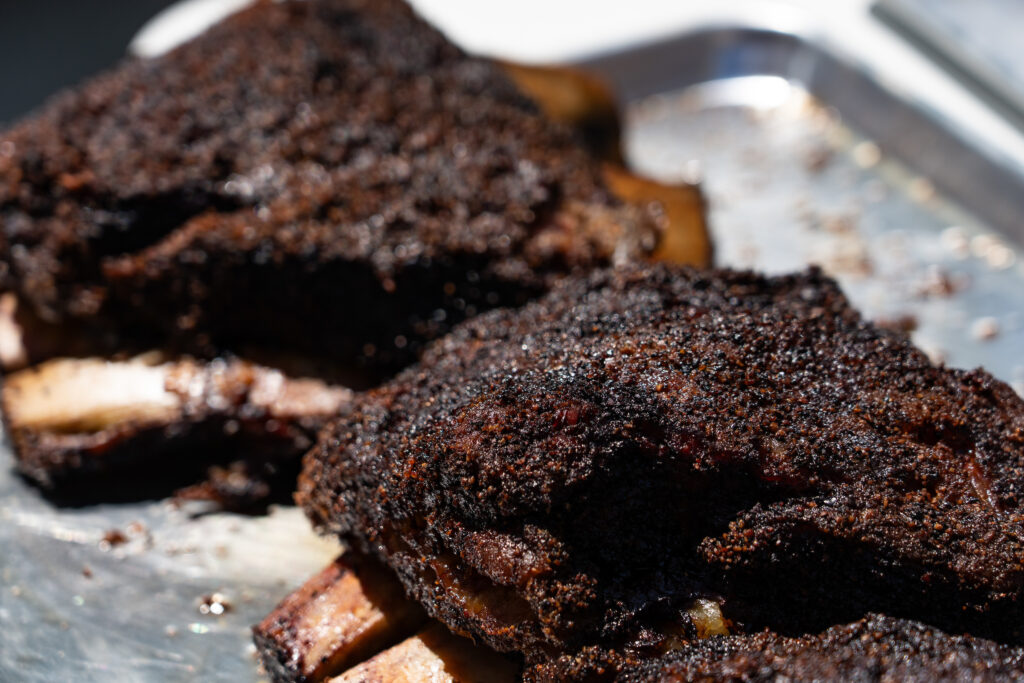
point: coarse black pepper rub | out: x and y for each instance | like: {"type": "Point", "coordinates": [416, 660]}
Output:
{"type": "Point", "coordinates": [330, 176]}
{"type": "Point", "coordinates": [876, 648]}
{"type": "Point", "coordinates": [584, 471]}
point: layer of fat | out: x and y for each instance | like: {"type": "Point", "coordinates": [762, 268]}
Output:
{"type": "Point", "coordinates": [88, 395]}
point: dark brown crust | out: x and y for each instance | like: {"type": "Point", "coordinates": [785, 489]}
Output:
{"type": "Point", "coordinates": [575, 473]}
{"type": "Point", "coordinates": [877, 648]}
{"type": "Point", "coordinates": [357, 176]}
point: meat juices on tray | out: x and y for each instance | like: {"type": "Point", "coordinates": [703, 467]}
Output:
{"type": "Point", "coordinates": [652, 453]}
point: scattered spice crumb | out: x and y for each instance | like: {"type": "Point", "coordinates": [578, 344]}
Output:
{"type": "Point", "coordinates": [215, 604]}
{"type": "Point", "coordinates": [86, 572]}
{"type": "Point", "coordinates": [985, 329]}
{"type": "Point", "coordinates": [903, 324]}
{"type": "Point", "coordinates": [113, 538]}
{"type": "Point", "coordinates": [936, 282]}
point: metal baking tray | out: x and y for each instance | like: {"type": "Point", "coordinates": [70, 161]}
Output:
{"type": "Point", "coordinates": [873, 164]}
{"type": "Point", "coordinates": [809, 151]}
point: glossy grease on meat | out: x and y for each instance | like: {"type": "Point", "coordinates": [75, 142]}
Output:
{"type": "Point", "coordinates": [582, 472]}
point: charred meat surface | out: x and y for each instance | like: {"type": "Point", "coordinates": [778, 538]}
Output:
{"type": "Point", "coordinates": [647, 447]}
{"type": "Point", "coordinates": [352, 186]}
{"type": "Point", "coordinates": [341, 617]}
{"type": "Point", "coordinates": [78, 422]}
{"type": "Point", "coordinates": [872, 649]}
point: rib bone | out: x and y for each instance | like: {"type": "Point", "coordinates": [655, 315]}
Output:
{"type": "Point", "coordinates": [433, 656]}
{"type": "Point", "coordinates": [348, 612]}
{"type": "Point", "coordinates": [71, 416]}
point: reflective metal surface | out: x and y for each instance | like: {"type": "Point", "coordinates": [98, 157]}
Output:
{"type": "Point", "coordinates": [810, 152]}
{"type": "Point", "coordinates": [790, 183]}
{"type": "Point", "coordinates": [977, 41]}
{"type": "Point", "coordinates": [115, 592]}
{"type": "Point", "coordinates": [807, 157]}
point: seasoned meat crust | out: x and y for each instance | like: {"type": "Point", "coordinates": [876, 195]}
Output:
{"type": "Point", "coordinates": [877, 648]}
{"type": "Point", "coordinates": [582, 471]}
{"type": "Point", "coordinates": [329, 176]}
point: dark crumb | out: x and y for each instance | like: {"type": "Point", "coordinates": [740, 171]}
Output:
{"type": "Point", "coordinates": [215, 604]}
{"type": "Point", "coordinates": [113, 538]}
{"type": "Point", "coordinates": [86, 572]}
{"type": "Point", "coordinates": [938, 283]}
{"type": "Point", "coordinates": [903, 324]}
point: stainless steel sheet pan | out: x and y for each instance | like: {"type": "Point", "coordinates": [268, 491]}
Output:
{"type": "Point", "coordinates": [807, 158]}
{"type": "Point", "coordinates": [810, 152]}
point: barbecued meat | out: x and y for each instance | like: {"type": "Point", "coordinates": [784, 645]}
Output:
{"type": "Point", "coordinates": [81, 426]}
{"type": "Point", "coordinates": [649, 455]}
{"type": "Point", "coordinates": [328, 176]}
{"type": "Point", "coordinates": [344, 613]}
{"type": "Point", "coordinates": [875, 648]}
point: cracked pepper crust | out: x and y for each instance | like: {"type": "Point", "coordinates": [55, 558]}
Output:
{"type": "Point", "coordinates": [575, 473]}
{"type": "Point", "coordinates": [357, 175]}
{"type": "Point", "coordinates": [875, 648]}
